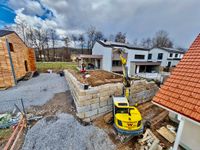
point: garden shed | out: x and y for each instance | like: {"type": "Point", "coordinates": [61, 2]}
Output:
{"type": "Point", "coordinates": [16, 59]}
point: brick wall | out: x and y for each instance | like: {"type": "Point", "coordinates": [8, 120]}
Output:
{"type": "Point", "coordinates": [97, 101]}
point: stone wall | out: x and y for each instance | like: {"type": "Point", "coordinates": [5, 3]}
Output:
{"type": "Point", "coordinates": [97, 101]}
{"type": "Point", "coordinates": [142, 91]}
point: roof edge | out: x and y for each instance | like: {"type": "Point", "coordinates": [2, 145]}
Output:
{"type": "Point", "coordinates": [175, 50]}
{"type": "Point", "coordinates": [125, 46]}
{"type": "Point", "coordinates": [170, 110]}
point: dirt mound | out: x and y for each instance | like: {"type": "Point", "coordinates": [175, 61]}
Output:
{"type": "Point", "coordinates": [63, 132]}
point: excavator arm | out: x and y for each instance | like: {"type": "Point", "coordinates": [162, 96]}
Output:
{"type": "Point", "coordinates": [126, 79]}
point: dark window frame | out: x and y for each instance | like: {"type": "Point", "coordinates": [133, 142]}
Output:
{"type": "Point", "coordinates": [176, 55]}
{"type": "Point", "coordinates": [170, 54]}
{"type": "Point", "coordinates": [116, 63]}
{"type": "Point", "coordinates": [139, 56]}
{"type": "Point", "coordinates": [160, 56]}
{"type": "Point", "coordinates": [169, 64]}
{"type": "Point", "coordinates": [149, 56]}
{"type": "Point", "coordinates": [11, 47]}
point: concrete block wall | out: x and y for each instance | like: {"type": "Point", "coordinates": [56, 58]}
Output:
{"type": "Point", "coordinates": [97, 101]}
{"type": "Point", "coordinates": [142, 91]}
{"type": "Point", "coordinates": [94, 101]}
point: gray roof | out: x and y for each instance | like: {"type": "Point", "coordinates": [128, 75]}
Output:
{"type": "Point", "coordinates": [123, 45]}
{"type": "Point", "coordinates": [173, 50]}
{"type": "Point", "coordinates": [5, 32]}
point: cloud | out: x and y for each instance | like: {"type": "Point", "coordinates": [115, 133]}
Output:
{"type": "Point", "coordinates": [31, 7]}
{"type": "Point", "coordinates": [137, 18]}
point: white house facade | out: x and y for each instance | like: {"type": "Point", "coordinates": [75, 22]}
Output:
{"type": "Point", "coordinates": [168, 57]}
{"type": "Point", "coordinates": [139, 60]}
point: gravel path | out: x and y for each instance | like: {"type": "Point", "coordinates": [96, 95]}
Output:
{"type": "Point", "coordinates": [35, 91]}
{"type": "Point", "coordinates": [64, 132]}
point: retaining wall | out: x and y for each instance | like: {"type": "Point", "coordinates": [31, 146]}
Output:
{"type": "Point", "coordinates": [97, 101]}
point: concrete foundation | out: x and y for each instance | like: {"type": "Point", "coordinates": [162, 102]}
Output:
{"type": "Point", "coordinates": [97, 101]}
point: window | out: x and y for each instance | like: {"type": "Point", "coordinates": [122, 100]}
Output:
{"type": "Point", "coordinates": [139, 56]}
{"type": "Point", "coordinates": [171, 54]}
{"type": "Point", "coordinates": [149, 56]}
{"type": "Point", "coordinates": [160, 56]}
{"type": "Point", "coordinates": [169, 64]}
{"type": "Point", "coordinates": [176, 55]}
{"type": "Point", "coordinates": [11, 47]}
{"type": "Point", "coordinates": [116, 63]}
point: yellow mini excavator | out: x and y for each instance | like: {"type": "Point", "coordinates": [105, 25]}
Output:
{"type": "Point", "coordinates": [127, 119]}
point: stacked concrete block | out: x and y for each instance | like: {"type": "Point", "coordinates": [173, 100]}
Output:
{"type": "Point", "coordinates": [96, 101]}
{"type": "Point", "coordinates": [142, 91]}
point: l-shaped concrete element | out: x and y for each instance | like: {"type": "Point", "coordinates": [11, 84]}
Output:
{"type": "Point", "coordinates": [97, 101]}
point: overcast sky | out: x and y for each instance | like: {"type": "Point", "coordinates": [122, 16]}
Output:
{"type": "Point", "coordinates": [137, 18]}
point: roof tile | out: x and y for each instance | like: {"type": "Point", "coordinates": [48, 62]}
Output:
{"type": "Point", "coordinates": [181, 91]}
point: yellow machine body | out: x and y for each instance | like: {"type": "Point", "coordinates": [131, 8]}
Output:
{"type": "Point", "coordinates": [127, 119]}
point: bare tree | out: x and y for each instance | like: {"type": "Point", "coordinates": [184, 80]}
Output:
{"type": "Point", "coordinates": [135, 42]}
{"type": "Point", "coordinates": [67, 43]}
{"type": "Point", "coordinates": [162, 39]}
{"type": "Point", "coordinates": [120, 37]}
{"type": "Point", "coordinates": [74, 39]}
{"type": "Point", "coordinates": [81, 39]}
{"type": "Point", "coordinates": [98, 36]}
{"type": "Point", "coordinates": [21, 28]}
{"type": "Point", "coordinates": [91, 36]}
{"type": "Point", "coordinates": [29, 37]}
{"type": "Point", "coordinates": [111, 37]}
{"type": "Point", "coordinates": [146, 43]}
{"type": "Point", "coordinates": [53, 42]}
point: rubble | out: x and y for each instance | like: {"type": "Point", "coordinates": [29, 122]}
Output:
{"type": "Point", "coordinates": [149, 141]}
{"type": "Point", "coordinates": [7, 120]}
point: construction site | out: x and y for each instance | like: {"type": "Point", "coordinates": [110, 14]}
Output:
{"type": "Point", "coordinates": [87, 107]}
{"type": "Point", "coordinates": [78, 115]}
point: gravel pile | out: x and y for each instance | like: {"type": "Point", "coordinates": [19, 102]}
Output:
{"type": "Point", "coordinates": [35, 91]}
{"type": "Point", "coordinates": [64, 132]}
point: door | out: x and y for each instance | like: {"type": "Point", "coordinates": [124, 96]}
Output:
{"type": "Point", "coordinates": [99, 64]}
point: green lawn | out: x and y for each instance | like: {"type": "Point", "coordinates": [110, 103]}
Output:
{"type": "Point", "coordinates": [55, 66]}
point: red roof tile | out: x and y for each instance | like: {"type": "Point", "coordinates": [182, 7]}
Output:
{"type": "Point", "coordinates": [181, 91]}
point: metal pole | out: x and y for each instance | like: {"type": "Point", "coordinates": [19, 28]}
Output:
{"type": "Point", "coordinates": [11, 62]}
{"type": "Point", "coordinates": [23, 106]}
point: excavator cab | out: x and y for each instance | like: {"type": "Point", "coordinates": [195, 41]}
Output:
{"type": "Point", "coordinates": [127, 119]}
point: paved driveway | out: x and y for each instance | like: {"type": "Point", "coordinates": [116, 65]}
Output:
{"type": "Point", "coordinates": [35, 91]}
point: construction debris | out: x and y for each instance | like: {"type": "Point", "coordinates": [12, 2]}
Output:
{"type": "Point", "coordinates": [108, 118]}
{"type": "Point", "coordinates": [149, 141]}
{"type": "Point", "coordinates": [10, 145]}
{"type": "Point", "coordinates": [6, 120]}
{"type": "Point", "coordinates": [167, 134]}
